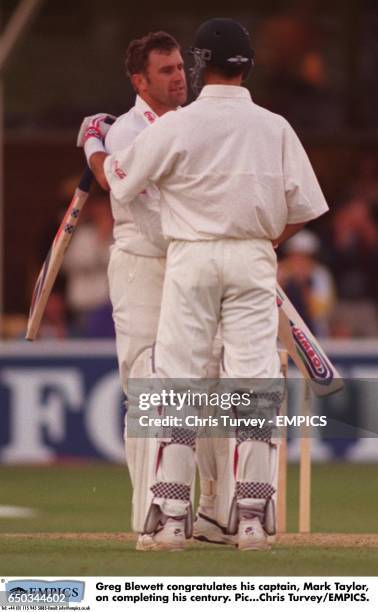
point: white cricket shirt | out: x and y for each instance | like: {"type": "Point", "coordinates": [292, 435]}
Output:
{"type": "Point", "coordinates": [225, 167]}
{"type": "Point", "coordinates": [137, 229]}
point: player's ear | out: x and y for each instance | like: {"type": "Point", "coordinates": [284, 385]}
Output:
{"type": "Point", "coordinates": [139, 82]}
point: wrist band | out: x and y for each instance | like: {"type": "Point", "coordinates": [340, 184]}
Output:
{"type": "Point", "coordinates": [93, 145]}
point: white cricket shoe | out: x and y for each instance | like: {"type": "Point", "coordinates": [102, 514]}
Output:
{"type": "Point", "coordinates": [251, 535]}
{"type": "Point", "coordinates": [206, 529]}
{"type": "Point", "coordinates": [171, 537]}
{"type": "Point", "coordinates": [145, 542]}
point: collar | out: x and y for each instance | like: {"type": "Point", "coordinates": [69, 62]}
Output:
{"type": "Point", "coordinates": [225, 91]}
{"type": "Point", "coordinates": [145, 111]}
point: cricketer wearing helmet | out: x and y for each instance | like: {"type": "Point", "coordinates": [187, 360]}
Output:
{"type": "Point", "coordinates": [229, 465]}
{"type": "Point", "coordinates": [228, 188]}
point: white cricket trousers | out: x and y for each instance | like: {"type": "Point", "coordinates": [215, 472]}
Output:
{"type": "Point", "coordinates": [135, 285]}
{"type": "Point", "coordinates": [227, 282]}
{"type": "Point", "coordinates": [230, 282]}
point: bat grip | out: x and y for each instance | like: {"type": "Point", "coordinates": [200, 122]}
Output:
{"type": "Point", "coordinates": [86, 180]}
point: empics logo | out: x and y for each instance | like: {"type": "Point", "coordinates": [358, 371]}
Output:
{"type": "Point", "coordinates": [44, 591]}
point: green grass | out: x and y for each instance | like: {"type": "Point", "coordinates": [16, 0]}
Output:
{"type": "Point", "coordinates": [96, 498]}
{"type": "Point", "coordinates": [68, 557]}
{"type": "Point", "coordinates": [68, 498]}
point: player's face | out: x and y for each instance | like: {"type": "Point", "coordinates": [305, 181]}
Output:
{"type": "Point", "coordinates": [164, 83]}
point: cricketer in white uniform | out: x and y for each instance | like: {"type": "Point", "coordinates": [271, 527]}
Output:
{"type": "Point", "coordinates": [136, 274]}
{"type": "Point", "coordinates": [228, 187]}
{"type": "Point", "coordinates": [137, 261]}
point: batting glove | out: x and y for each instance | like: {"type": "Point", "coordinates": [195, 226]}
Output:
{"type": "Point", "coordinates": [92, 133]}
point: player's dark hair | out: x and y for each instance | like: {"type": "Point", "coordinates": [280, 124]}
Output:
{"type": "Point", "coordinates": [139, 49]}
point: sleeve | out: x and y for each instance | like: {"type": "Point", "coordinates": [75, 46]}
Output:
{"type": "Point", "coordinates": [151, 157]}
{"type": "Point", "coordinates": [304, 197]}
{"type": "Point", "coordinates": [123, 132]}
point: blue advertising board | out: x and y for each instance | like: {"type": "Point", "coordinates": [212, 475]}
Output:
{"type": "Point", "coordinates": [64, 400]}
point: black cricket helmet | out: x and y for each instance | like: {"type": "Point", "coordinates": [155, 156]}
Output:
{"type": "Point", "coordinates": [221, 43]}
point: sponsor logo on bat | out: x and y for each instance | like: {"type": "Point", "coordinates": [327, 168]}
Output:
{"type": "Point", "coordinates": [316, 364]}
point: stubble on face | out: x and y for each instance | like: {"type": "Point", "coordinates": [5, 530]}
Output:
{"type": "Point", "coordinates": [166, 87]}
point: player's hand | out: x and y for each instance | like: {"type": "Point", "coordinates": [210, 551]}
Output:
{"type": "Point", "coordinates": [95, 126]}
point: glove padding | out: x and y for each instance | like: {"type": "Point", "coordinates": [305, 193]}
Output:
{"type": "Point", "coordinates": [95, 126]}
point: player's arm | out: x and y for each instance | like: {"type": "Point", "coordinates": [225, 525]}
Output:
{"type": "Point", "coordinates": [150, 157]}
{"type": "Point", "coordinates": [91, 137]}
{"type": "Point", "coordinates": [96, 164]}
{"type": "Point", "coordinates": [289, 231]}
{"type": "Point", "coordinates": [145, 161]}
{"type": "Point", "coordinates": [304, 198]}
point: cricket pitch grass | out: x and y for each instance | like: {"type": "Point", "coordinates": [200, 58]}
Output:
{"type": "Point", "coordinates": [79, 525]}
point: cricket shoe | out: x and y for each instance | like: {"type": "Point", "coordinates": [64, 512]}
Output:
{"type": "Point", "coordinates": [206, 529]}
{"type": "Point", "coordinates": [251, 535]}
{"type": "Point", "coordinates": [170, 537]}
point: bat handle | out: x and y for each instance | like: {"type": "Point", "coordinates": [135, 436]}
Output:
{"type": "Point", "coordinates": [86, 180]}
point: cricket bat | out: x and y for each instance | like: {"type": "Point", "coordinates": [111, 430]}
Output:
{"type": "Point", "coordinates": [305, 350]}
{"type": "Point", "coordinates": [53, 261]}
